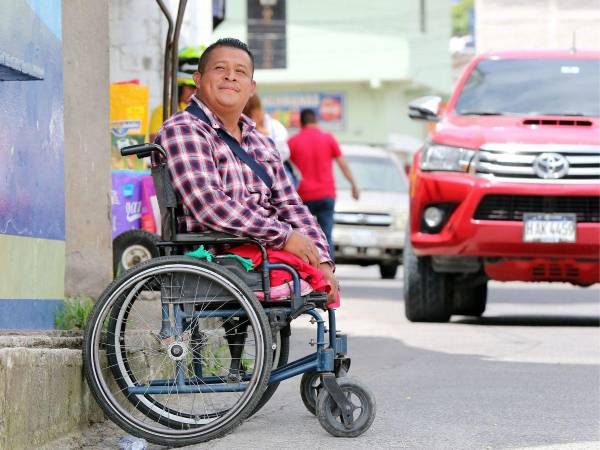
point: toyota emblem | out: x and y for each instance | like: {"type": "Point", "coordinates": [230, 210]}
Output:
{"type": "Point", "coordinates": [550, 165]}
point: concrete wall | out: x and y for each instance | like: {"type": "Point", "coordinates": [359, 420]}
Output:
{"type": "Point", "coordinates": [32, 206]}
{"type": "Point", "coordinates": [430, 60]}
{"type": "Point", "coordinates": [137, 39]}
{"type": "Point", "coordinates": [87, 147]}
{"type": "Point", "coordinates": [536, 24]}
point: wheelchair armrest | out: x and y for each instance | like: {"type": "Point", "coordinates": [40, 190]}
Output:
{"type": "Point", "coordinates": [143, 150]}
{"type": "Point", "coordinates": [211, 237]}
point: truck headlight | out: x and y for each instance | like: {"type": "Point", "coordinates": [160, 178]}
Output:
{"type": "Point", "coordinates": [446, 158]}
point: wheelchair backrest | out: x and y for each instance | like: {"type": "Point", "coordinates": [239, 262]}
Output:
{"type": "Point", "coordinates": [165, 194]}
{"type": "Point", "coordinates": [167, 200]}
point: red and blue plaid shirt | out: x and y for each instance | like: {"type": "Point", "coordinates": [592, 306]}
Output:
{"type": "Point", "coordinates": [221, 193]}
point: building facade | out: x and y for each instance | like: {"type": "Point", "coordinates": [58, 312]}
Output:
{"type": "Point", "coordinates": [357, 63]}
{"type": "Point", "coordinates": [537, 24]}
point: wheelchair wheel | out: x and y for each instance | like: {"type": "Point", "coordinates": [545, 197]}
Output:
{"type": "Point", "coordinates": [310, 386]}
{"type": "Point", "coordinates": [363, 403]}
{"type": "Point", "coordinates": [178, 351]}
{"type": "Point", "coordinates": [280, 359]}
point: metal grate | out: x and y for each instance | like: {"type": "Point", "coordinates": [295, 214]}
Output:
{"type": "Point", "coordinates": [362, 219]}
{"type": "Point", "coordinates": [516, 162]}
{"type": "Point", "coordinates": [550, 272]}
{"type": "Point", "coordinates": [512, 207]}
{"type": "Point", "coordinates": [560, 122]}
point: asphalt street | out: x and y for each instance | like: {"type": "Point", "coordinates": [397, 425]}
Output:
{"type": "Point", "coordinates": [526, 375]}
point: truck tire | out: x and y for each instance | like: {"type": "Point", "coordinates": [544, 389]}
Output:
{"type": "Point", "coordinates": [388, 270]}
{"type": "Point", "coordinates": [470, 299]}
{"type": "Point", "coordinates": [133, 247]}
{"type": "Point", "coordinates": [427, 294]}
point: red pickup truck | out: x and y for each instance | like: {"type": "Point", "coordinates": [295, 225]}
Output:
{"type": "Point", "coordinates": [507, 186]}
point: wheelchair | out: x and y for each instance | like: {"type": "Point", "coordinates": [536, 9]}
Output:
{"type": "Point", "coordinates": [179, 350]}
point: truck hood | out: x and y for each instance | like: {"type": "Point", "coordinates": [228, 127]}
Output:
{"type": "Point", "coordinates": [475, 131]}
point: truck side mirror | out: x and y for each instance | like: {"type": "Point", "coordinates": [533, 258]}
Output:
{"type": "Point", "coordinates": [425, 108]}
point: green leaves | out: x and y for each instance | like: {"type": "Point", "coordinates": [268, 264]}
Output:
{"type": "Point", "coordinates": [74, 313]}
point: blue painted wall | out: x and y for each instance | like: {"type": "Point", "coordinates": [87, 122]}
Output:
{"type": "Point", "coordinates": [32, 190]}
{"type": "Point", "coordinates": [31, 123]}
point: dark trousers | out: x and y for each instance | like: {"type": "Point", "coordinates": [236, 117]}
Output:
{"type": "Point", "coordinates": [323, 211]}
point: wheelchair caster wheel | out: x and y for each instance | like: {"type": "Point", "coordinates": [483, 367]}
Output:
{"type": "Point", "coordinates": [363, 409]}
{"type": "Point", "coordinates": [310, 386]}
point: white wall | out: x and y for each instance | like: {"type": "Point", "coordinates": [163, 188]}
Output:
{"type": "Point", "coordinates": [137, 38]}
{"type": "Point", "coordinates": [536, 24]}
{"type": "Point", "coordinates": [355, 40]}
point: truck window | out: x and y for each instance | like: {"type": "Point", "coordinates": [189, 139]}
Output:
{"type": "Point", "coordinates": [553, 87]}
{"type": "Point", "coordinates": [372, 174]}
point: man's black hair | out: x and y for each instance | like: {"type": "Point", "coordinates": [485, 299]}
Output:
{"type": "Point", "coordinates": [307, 116]}
{"type": "Point", "coordinates": [224, 42]}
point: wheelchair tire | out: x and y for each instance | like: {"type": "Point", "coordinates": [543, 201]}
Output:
{"type": "Point", "coordinates": [282, 355]}
{"type": "Point", "coordinates": [329, 413]}
{"type": "Point", "coordinates": [310, 387]}
{"type": "Point", "coordinates": [174, 421]}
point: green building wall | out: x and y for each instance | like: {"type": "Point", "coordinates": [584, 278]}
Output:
{"type": "Point", "coordinates": [379, 55]}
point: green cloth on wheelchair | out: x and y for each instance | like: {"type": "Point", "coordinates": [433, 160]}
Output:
{"type": "Point", "coordinates": [202, 253]}
{"type": "Point", "coordinates": [245, 262]}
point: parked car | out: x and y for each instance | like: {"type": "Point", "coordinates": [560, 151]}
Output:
{"type": "Point", "coordinates": [371, 230]}
{"type": "Point", "coordinates": [507, 186]}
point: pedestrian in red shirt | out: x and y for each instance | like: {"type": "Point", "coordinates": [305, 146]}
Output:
{"type": "Point", "coordinates": [313, 151]}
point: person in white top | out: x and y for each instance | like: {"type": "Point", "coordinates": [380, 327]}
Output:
{"type": "Point", "coordinates": [274, 129]}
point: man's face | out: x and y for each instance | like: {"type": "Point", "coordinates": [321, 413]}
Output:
{"type": "Point", "coordinates": [226, 83]}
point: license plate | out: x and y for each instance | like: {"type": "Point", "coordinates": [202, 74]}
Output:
{"type": "Point", "coordinates": [549, 228]}
{"type": "Point", "coordinates": [363, 238]}
{"type": "Point", "coordinates": [349, 251]}
{"type": "Point", "coordinates": [373, 251]}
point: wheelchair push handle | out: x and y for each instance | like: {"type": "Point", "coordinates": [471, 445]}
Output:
{"type": "Point", "coordinates": [143, 150]}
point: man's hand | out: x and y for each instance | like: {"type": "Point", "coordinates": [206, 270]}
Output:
{"type": "Point", "coordinates": [329, 276]}
{"type": "Point", "coordinates": [355, 192]}
{"type": "Point", "coordinates": [303, 247]}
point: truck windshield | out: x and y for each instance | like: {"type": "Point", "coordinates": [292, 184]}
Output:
{"type": "Point", "coordinates": [553, 87]}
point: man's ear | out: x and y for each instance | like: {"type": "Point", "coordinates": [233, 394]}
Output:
{"type": "Point", "coordinates": [253, 88]}
{"type": "Point", "coordinates": [197, 76]}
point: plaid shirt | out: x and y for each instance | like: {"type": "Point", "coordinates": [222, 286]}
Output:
{"type": "Point", "coordinates": [221, 193]}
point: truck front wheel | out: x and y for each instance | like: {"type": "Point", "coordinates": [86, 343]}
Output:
{"type": "Point", "coordinates": [470, 298]}
{"type": "Point", "coordinates": [427, 294]}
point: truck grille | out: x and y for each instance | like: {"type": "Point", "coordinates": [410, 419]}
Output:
{"type": "Point", "coordinates": [512, 207]}
{"type": "Point", "coordinates": [521, 162]}
{"type": "Point", "coordinates": [362, 219]}
{"type": "Point", "coordinates": [548, 271]}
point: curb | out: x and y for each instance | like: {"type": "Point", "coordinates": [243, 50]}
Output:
{"type": "Point", "coordinates": [43, 393]}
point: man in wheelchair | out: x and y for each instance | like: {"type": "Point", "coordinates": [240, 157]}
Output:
{"type": "Point", "coordinates": [180, 351]}
{"type": "Point", "coordinates": [221, 193]}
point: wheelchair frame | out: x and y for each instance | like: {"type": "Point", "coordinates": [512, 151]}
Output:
{"type": "Point", "coordinates": [322, 361]}
{"type": "Point", "coordinates": [327, 362]}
